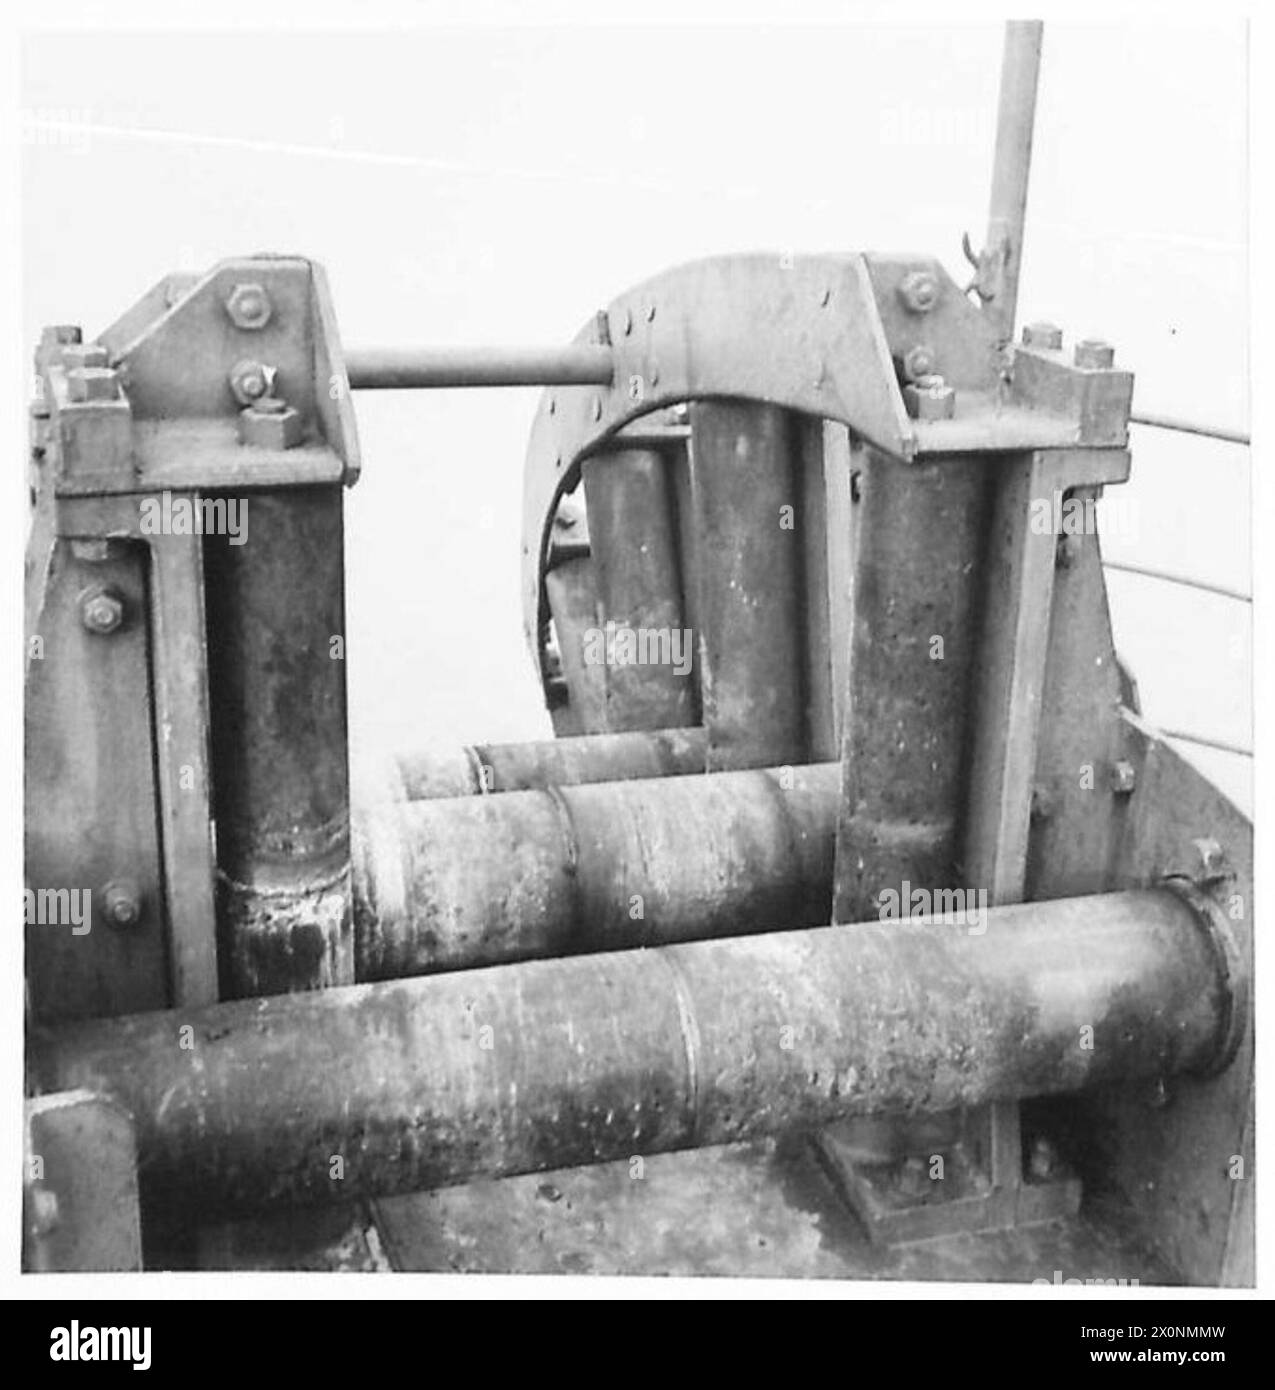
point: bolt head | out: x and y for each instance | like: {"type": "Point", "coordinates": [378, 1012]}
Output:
{"type": "Point", "coordinates": [43, 1215]}
{"type": "Point", "coordinates": [102, 611]}
{"type": "Point", "coordinates": [918, 362]}
{"type": "Point", "coordinates": [250, 381]}
{"type": "Point", "coordinates": [930, 398]}
{"type": "Point", "coordinates": [270, 424]}
{"type": "Point", "coordinates": [122, 903]}
{"type": "Point", "coordinates": [1124, 777]}
{"type": "Point", "coordinates": [249, 306]}
{"type": "Point", "coordinates": [1094, 354]}
{"type": "Point", "coordinates": [1210, 861]}
{"type": "Point", "coordinates": [85, 384]}
{"type": "Point", "coordinates": [1043, 335]}
{"type": "Point", "coordinates": [919, 291]}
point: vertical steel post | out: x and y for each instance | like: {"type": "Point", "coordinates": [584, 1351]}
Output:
{"type": "Point", "coordinates": [276, 632]}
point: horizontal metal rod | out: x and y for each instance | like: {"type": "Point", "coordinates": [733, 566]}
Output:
{"type": "Point", "coordinates": [1180, 426]}
{"type": "Point", "coordinates": [414, 1084]}
{"type": "Point", "coordinates": [1173, 577]}
{"type": "Point", "coordinates": [481, 768]}
{"type": "Point", "coordinates": [449, 885]}
{"type": "Point", "coordinates": [391, 369]}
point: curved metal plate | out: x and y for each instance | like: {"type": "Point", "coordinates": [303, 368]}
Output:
{"type": "Point", "coordinates": [802, 332]}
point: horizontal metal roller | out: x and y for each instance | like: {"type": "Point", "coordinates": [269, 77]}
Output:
{"type": "Point", "coordinates": [373, 1089]}
{"type": "Point", "coordinates": [481, 768]}
{"type": "Point", "coordinates": [446, 885]}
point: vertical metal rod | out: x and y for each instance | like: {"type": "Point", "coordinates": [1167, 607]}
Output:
{"type": "Point", "coordinates": [1002, 259]}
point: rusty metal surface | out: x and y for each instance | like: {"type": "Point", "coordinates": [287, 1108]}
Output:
{"type": "Point", "coordinates": [916, 602]}
{"type": "Point", "coordinates": [281, 793]}
{"type": "Point", "coordinates": [80, 1190]}
{"type": "Point", "coordinates": [756, 1210]}
{"type": "Point", "coordinates": [632, 539]}
{"type": "Point", "coordinates": [1183, 1156]}
{"type": "Point", "coordinates": [90, 794]}
{"type": "Point", "coordinates": [446, 885]}
{"type": "Point", "coordinates": [749, 583]}
{"type": "Point", "coordinates": [482, 768]}
{"type": "Point", "coordinates": [420, 1083]}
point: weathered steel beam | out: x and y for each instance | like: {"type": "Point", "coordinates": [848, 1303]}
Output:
{"type": "Point", "coordinates": [479, 768]}
{"type": "Point", "coordinates": [447, 885]}
{"type": "Point", "coordinates": [387, 369]}
{"type": "Point", "coordinates": [420, 1083]}
{"type": "Point", "coordinates": [276, 633]}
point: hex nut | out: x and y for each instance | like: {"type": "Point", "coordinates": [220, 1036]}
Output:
{"type": "Point", "coordinates": [1043, 335]}
{"type": "Point", "coordinates": [61, 335]}
{"type": "Point", "coordinates": [86, 384]}
{"type": "Point", "coordinates": [1094, 354]}
{"type": "Point", "coordinates": [122, 903]}
{"type": "Point", "coordinates": [930, 398]}
{"type": "Point", "coordinates": [919, 361]}
{"type": "Point", "coordinates": [102, 610]}
{"type": "Point", "coordinates": [249, 306]}
{"type": "Point", "coordinates": [84, 355]}
{"type": "Point", "coordinates": [250, 381]}
{"type": "Point", "coordinates": [270, 424]}
{"type": "Point", "coordinates": [1124, 777]}
{"type": "Point", "coordinates": [919, 291]}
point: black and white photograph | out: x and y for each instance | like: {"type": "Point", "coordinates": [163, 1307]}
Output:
{"type": "Point", "coordinates": [638, 663]}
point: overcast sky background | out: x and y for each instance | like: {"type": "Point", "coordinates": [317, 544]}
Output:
{"type": "Point", "coordinates": [498, 186]}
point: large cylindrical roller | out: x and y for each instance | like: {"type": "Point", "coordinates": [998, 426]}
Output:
{"type": "Point", "coordinates": [445, 885]}
{"type": "Point", "coordinates": [419, 1083]}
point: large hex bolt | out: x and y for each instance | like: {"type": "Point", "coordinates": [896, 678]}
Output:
{"type": "Point", "coordinates": [102, 609]}
{"type": "Point", "coordinates": [1093, 354]}
{"type": "Point", "coordinates": [249, 306]}
{"type": "Point", "coordinates": [1124, 777]}
{"type": "Point", "coordinates": [87, 384]}
{"type": "Point", "coordinates": [270, 424]}
{"type": "Point", "coordinates": [250, 381]}
{"type": "Point", "coordinates": [929, 398]}
{"type": "Point", "coordinates": [918, 362]}
{"type": "Point", "coordinates": [122, 903]}
{"type": "Point", "coordinates": [919, 291]}
{"type": "Point", "coordinates": [1043, 335]}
